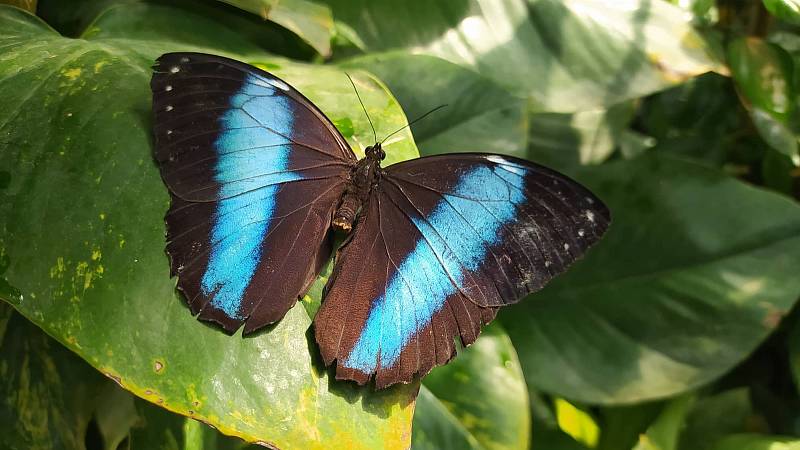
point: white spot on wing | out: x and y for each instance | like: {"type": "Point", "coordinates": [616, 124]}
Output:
{"type": "Point", "coordinates": [270, 83]}
{"type": "Point", "coordinates": [168, 108]}
{"type": "Point", "coordinates": [566, 246]}
{"type": "Point", "coordinates": [168, 87]}
{"type": "Point", "coordinates": [174, 69]}
{"type": "Point", "coordinates": [581, 233]}
{"type": "Point", "coordinates": [169, 132]}
{"type": "Point", "coordinates": [547, 263]}
{"type": "Point", "coordinates": [184, 59]}
{"type": "Point", "coordinates": [589, 215]}
{"type": "Point", "coordinates": [497, 159]}
{"type": "Point", "coordinates": [507, 165]}
{"type": "Point", "coordinates": [279, 84]}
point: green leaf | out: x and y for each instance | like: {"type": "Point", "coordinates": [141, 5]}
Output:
{"type": "Point", "coordinates": [481, 395]}
{"type": "Point", "coordinates": [565, 56]}
{"type": "Point", "coordinates": [758, 442]}
{"type": "Point", "coordinates": [788, 10]}
{"type": "Point", "coordinates": [51, 399]}
{"type": "Point", "coordinates": [688, 280]}
{"type": "Point", "coordinates": [47, 399]}
{"type": "Point", "coordinates": [83, 233]}
{"type": "Point", "coordinates": [581, 138]}
{"type": "Point", "coordinates": [764, 75]}
{"type": "Point", "coordinates": [435, 427]}
{"type": "Point", "coordinates": [27, 5]}
{"type": "Point", "coordinates": [577, 422]}
{"type": "Point", "coordinates": [622, 426]}
{"type": "Point", "coordinates": [777, 134]}
{"type": "Point", "coordinates": [71, 18]}
{"type": "Point", "coordinates": [776, 172]}
{"type": "Point", "coordinates": [309, 20]}
{"type": "Point", "coordinates": [664, 432]}
{"type": "Point", "coordinates": [480, 116]}
{"type": "Point", "coordinates": [715, 417]}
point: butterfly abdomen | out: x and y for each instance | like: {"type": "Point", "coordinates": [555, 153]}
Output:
{"type": "Point", "coordinates": [363, 177]}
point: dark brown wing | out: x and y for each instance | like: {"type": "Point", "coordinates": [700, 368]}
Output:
{"type": "Point", "coordinates": [255, 171]}
{"type": "Point", "coordinates": [449, 239]}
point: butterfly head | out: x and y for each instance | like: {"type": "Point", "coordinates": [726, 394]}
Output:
{"type": "Point", "coordinates": [375, 152]}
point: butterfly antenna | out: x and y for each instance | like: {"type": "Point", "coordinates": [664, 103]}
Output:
{"type": "Point", "coordinates": [374, 135]}
{"type": "Point", "coordinates": [413, 122]}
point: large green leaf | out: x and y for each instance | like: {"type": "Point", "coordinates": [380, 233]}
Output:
{"type": "Point", "coordinates": [566, 55]}
{"type": "Point", "coordinates": [481, 395]}
{"type": "Point", "coordinates": [480, 116]}
{"type": "Point", "coordinates": [309, 20]}
{"type": "Point", "coordinates": [689, 279]}
{"type": "Point", "coordinates": [81, 214]}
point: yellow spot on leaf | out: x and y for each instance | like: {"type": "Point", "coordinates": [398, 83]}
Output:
{"type": "Point", "coordinates": [58, 270]}
{"type": "Point", "coordinates": [102, 216]}
{"type": "Point", "coordinates": [99, 65]}
{"type": "Point", "coordinates": [72, 74]}
{"type": "Point", "coordinates": [96, 254]}
{"type": "Point", "coordinates": [576, 423]}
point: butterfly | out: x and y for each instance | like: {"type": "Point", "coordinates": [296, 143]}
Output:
{"type": "Point", "coordinates": [260, 178]}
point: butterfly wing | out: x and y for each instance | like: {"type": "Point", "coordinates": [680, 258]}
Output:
{"type": "Point", "coordinates": [449, 239]}
{"type": "Point", "coordinates": [254, 170]}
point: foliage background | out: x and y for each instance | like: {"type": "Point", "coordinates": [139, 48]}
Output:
{"type": "Point", "coordinates": [678, 331]}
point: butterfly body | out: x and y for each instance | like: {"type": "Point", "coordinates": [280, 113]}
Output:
{"type": "Point", "coordinates": [260, 178]}
{"type": "Point", "coordinates": [364, 177]}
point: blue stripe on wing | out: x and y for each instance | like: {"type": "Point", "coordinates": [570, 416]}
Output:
{"type": "Point", "coordinates": [251, 162]}
{"type": "Point", "coordinates": [455, 238]}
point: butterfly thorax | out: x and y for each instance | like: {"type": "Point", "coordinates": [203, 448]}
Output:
{"type": "Point", "coordinates": [363, 178]}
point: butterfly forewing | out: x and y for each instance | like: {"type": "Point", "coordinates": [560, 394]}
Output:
{"type": "Point", "coordinates": [452, 238]}
{"type": "Point", "coordinates": [255, 171]}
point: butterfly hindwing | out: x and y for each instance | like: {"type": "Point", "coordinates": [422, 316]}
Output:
{"type": "Point", "coordinates": [452, 238]}
{"type": "Point", "coordinates": [255, 171]}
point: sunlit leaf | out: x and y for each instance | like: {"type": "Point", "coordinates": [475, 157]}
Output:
{"type": "Point", "coordinates": [788, 10]}
{"type": "Point", "coordinates": [479, 115]}
{"type": "Point", "coordinates": [566, 56]}
{"type": "Point", "coordinates": [309, 20]}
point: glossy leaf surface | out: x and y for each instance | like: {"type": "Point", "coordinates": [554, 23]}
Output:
{"type": "Point", "coordinates": [564, 55]}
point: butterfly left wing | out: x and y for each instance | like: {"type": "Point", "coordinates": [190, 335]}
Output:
{"type": "Point", "coordinates": [449, 239]}
{"type": "Point", "coordinates": [255, 171]}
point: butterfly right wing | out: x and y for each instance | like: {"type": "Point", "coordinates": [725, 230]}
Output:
{"type": "Point", "coordinates": [444, 242]}
{"type": "Point", "coordinates": [254, 171]}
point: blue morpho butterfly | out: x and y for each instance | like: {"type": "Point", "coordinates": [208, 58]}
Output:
{"type": "Point", "coordinates": [259, 177]}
